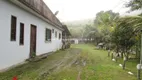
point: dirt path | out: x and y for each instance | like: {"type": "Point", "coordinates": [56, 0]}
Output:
{"type": "Point", "coordinates": [54, 63]}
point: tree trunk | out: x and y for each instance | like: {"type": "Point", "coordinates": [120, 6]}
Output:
{"type": "Point", "coordinates": [122, 55]}
{"type": "Point", "coordinates": [136, 51]}
{"type": "Point", "coordinates": [124, 63]}
{"type": "Point", "coordinates": [116, 57]}
{"type": "Point", "coordinates": [108, 53]}
{"type": "Point", "coordinates": [127, 56]}
{"type": "Point", "coordinates": [124, 60]}
{"type": "Point", "coordinates": [111, 56]}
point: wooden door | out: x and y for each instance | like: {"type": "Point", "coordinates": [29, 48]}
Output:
{"type": "Point", "coordinates": [33, 41]}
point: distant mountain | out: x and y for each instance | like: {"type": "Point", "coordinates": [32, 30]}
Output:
{"type": "Point", "coordinates": [79, 23]}
{"type": "Point", "coordinates": [77, 27]}
{"type": "Point", "coordinates": [76, 22]}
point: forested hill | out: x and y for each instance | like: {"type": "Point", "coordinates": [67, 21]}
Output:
{"type": "Point", "coordinates": [76, 28]}
{"type": "Point", "coordinates": [79, 23]}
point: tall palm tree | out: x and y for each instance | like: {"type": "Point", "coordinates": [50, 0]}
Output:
{"type": "Point", "coordinates": [136, 23]}
{"type": "Point", "coordinates": [134, 5]}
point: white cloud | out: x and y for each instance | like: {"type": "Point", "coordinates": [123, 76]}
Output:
{"type": "Point", "coordinates": [70, 10]}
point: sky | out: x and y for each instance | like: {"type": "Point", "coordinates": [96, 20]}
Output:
{"type": "Point", "coordinates": [70, 10]}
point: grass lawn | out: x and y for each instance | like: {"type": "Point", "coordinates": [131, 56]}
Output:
{"type": "Point", "coordinates": [80, 62]}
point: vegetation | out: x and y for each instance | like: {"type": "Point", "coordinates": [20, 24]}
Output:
{"type": "Point", "coordinates": [66, 65]}
{"type": "Point", "coordinates": [121, 35]}
{"type": "Point", "coordinates": [42, 69]}
{"type": "Point", "coordinates": [134, 5]}
{"type": "Point", "coordinates": [77, 27]}
{"type": "Point", "coordinates": [105, 23]}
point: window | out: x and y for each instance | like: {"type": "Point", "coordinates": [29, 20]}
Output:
{"type": "Point", "coordinates": [47, 35]}
{"type": "Point", "coordinates": [59, 35]}
{"type": "Point", "coordinates": [56, 34]}
{"type": "Point", "coordinates": [13, 28]}
{"type": "Point", "coordinates": [21, 34]}
{"type": "Point", "coordinates": [52, 30]}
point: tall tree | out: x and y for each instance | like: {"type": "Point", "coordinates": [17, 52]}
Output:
{"type": "Point", "coordinates": [124, 37]}
{"type": "Point", "coordinates": [136, 24]}
{"type": "Point", "coordinates": [134, 5]}
{"type": "Point", "coordinates": [105, 21]}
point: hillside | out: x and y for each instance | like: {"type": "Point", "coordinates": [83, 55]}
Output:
{"type": "Point", "coordinates": [79, 24]}
{"type": "Point", "coordinates": [77, 27]}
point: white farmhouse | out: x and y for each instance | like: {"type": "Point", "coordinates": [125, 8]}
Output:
{"type": "Point", "coordinates": [28, 27]}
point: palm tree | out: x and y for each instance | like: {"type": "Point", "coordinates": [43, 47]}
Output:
{"type": "Point", "coordinates": [136, 23]}
{"type": "Point", "coordinates": [134, 5]}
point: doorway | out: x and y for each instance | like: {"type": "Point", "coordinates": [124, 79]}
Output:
{"type": "Point", "coordinates": [33, 41]}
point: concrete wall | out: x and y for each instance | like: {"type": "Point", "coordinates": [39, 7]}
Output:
{"type": "Point", "coordinates": [10, 51]}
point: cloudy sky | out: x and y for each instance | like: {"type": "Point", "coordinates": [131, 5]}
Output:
{"type": "Point", "coordinates": [70, 10]}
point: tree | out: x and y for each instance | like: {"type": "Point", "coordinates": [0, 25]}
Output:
{"type": "Point", "coordinates": [123, 37]}
{"type": "Point", "coordinates": [136, 24]}
{"type": "Point", "coordinates": [134, 5]}
{"type": "Point", "coordinates": [75, 33]}
{"type": "Point", "coordinates": [105, 22]}
{"type": "Point", "coordinates": [105, 19]}
{"type": "Point", "coordinates": [89, 31]}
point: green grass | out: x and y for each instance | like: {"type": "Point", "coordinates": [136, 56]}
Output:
{"type": "Point", "coordinates": [98, 67]}
{"type": "Point", "coordinates": [39, 70]}
{"type": "Point", "coordinates": [66, 65]}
